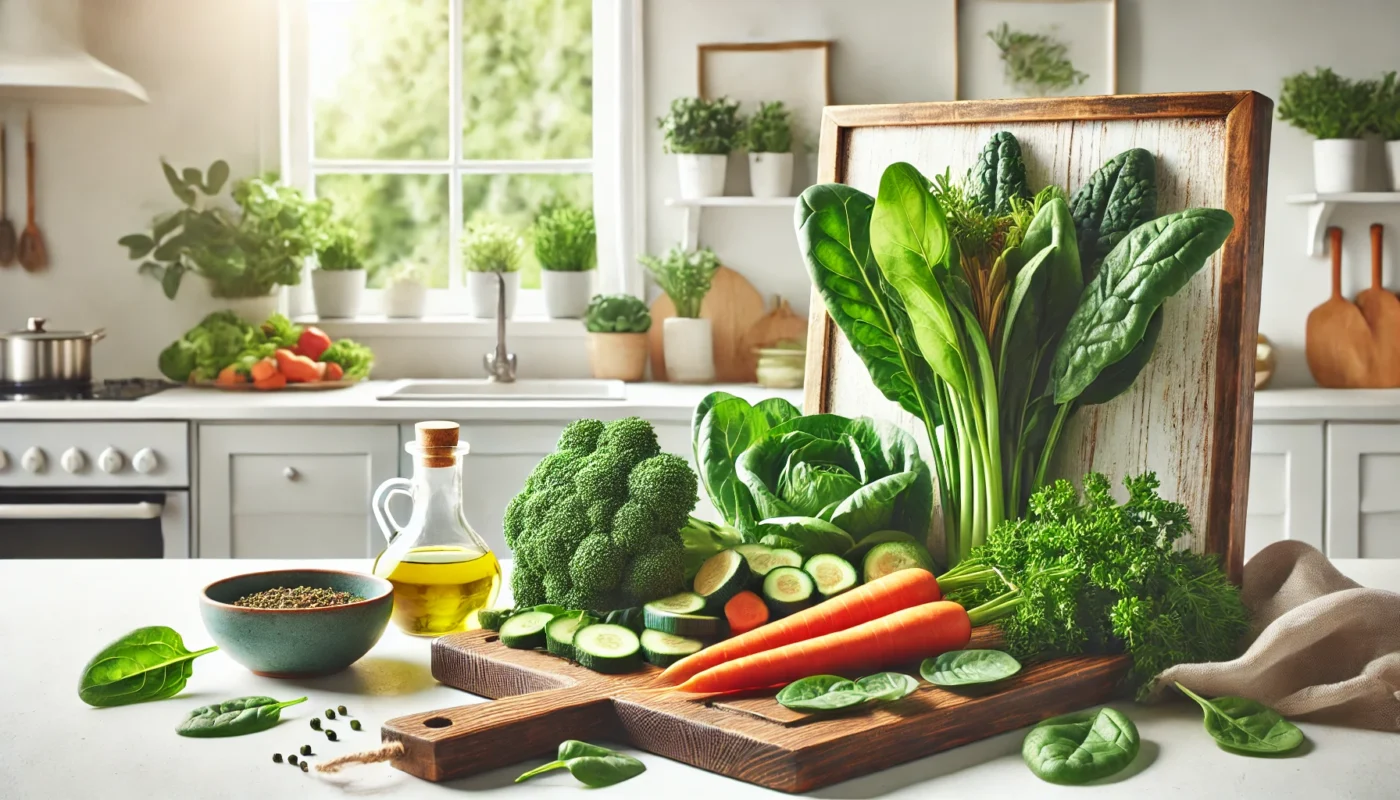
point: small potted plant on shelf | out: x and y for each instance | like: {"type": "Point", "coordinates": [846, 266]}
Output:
{"type": "Point", "coordinates": [566, 245]}
{"type": "Point", "coordinates": [1386, 121]}
{"type": "Point", "coordinates": [701, 133]}
{"type": "Point", "coordinates": [406, 294]}
{"type": "Point", "coordinates": [491, 252]}
{"type": "Point", "coordinates": [685, 277]}
{"type": "Point", "coordinates": [1337, 111]}
{"type": "Point", "coordinates": [338, 282]}
{"type": "Point", "coordinates": [242, 257]}
{"type": "Point", "coordinates": [768, 137]}
{"type": "Point", "coordinates": [617, 326]}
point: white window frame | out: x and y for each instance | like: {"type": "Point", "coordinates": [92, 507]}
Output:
{"type": "Point", "coordinates": [616, 164]}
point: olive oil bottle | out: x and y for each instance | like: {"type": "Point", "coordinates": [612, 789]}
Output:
{"type": "Point", "coordinates": [443, 573]}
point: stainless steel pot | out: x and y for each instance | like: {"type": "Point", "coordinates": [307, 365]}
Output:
{"type": "Point", "coordinates": [37, 356]}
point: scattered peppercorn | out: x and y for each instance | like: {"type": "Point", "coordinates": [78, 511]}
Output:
{"type": "Point", "coordinates": [315, 723]}
{"type": "Point", "coordinates": [303, 766]}
{"type": "Point", "coordinates": [342, 711]}
{"type": "Point", "coordinates": [330, 713]}
{"type": "Point", "coordinates": [330, 735]}
{"type": "Point", "coordinates": [277, 758]}
{"type": "Point", "coordinates": [306, 749]}
{"type": "Point", "coordinates": [354, 724]}
{"type": "Point", "coordinates": [292, 759]}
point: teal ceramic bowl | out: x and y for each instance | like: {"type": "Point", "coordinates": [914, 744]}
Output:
{"type": "Point", "coordinates": [297, 642]}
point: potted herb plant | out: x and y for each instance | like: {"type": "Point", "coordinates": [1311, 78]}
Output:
{"type": "Point", "coordinates": [338, 282]}
{"type": "Point", "coordinates": [768, 137]}
{"type": "Point", "coordinates": [1337, 111]}
{"type": "Point", "coordinates": [701, 133]}
{"type": "Point", "coordinates": [406, 294]}
{"type": "Point", "coordinates": [566, 245]}
{"type": "Point", "coordinates": [489, 250]}
{"type": "Point", "coordinates": [1386, 121]}
{"type": "Point", "coordinates": [685, 277]}
{"type": "Point", "coordinates": [617, 326]}
{"type": "Point", "coordinates": [242, 257]}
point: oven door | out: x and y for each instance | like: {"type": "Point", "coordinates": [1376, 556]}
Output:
{"type": "Point", "coordinates": [70, 524]}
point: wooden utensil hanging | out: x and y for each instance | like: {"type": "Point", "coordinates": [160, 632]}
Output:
{"type": "Point", "coordinates": [7, 228]}
{"type": "Point", "coordinates": [732, 306]}
{"type": "Point", "coordinates": [33, 255]}
{"type": "Point", "coordinates": [1381, 309]}
{"type": "Point", "coordinates": [1338, 344]}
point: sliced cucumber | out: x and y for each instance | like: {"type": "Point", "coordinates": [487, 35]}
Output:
{"type": "Point", "coordinates": [665, 649]}
{"type": "Point", "coordinates": [722, 576]}
{"type": "Point", "coordinates": [559, 633]}
{"type": "Point", "coordinates": [683, 603]}
{"type": "Point", "coordinates": [701, 625]}
{"type": "Point", "coordinates": [889, 557]}
{"type": "Point", "coordinates": [762, 559]}
{"type": "Point", "coordinates": [525, 631]}
{"type": "Point", "coordinates": [832, 574]}
{"type": "Point", "coordinates": [783, 557]}
{"type": "Point", "coordinates": [788, 590]}
{"type": "Point", "coordinates": [607, 648]}
{"type": "Point", "coordinates": [491, 618]}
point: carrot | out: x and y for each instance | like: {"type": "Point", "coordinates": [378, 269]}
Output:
{"type": "Point", "coordinates": [298, 369]}
{"type": "Point", "coordinates": [264, 369]}
{"type": "Point", "coordinates": [745, 611]}
{"type": "Point", "coordinates": [230, 375]}
{"type": "Point", "coordinates": [893, 592]}
{"type": "Point", "coordinates": [334, 371]}
{"type": "Point", "coordinates": [276, 381]}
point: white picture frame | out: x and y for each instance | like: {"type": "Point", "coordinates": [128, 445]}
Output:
{"type": "Point", "coordinates": [1087, 28]}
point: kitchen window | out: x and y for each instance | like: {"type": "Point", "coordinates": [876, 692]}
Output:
{"type": "Point", "coordinates": [417, 117]}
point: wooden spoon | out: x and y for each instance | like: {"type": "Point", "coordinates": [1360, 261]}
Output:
{"type": "Point", "coordinates": [1338, 344]}
{"type": "Point", "coordinates": [7, 228]}
{"type": "Point", "coordinates": [1382, 312]}
{"type": "Point", "coordinates": [33, 255]}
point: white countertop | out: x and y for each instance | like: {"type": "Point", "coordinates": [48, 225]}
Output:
{"type": "Point", "coordinates": [1332, 405]}
{"type": "Point", "coordinates": [57, 614]}
{"type": "Point", "coordinates": [652, 401]}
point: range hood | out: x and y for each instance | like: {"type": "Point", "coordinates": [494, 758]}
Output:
{"type": "Point", "coordinates": [42, 58]}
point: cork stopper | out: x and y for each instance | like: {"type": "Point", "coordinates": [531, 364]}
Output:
{"type": "Point", "coordinates": [437, 442]}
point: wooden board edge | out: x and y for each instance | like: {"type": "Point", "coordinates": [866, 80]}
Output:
{"type": "Point", "coordinates": [835, 139]}
{"type": "Point", "coordinates": [1046, 109]}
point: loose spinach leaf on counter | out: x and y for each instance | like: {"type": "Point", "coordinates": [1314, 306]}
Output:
{"type": "Point", "coordinates": [821, 693]}
{"type": "Point", "coordinates": [146, 664]}
{"type": "Point", "coordinates": [969, 668]}
{"type": "Point", "coordinates": [1247, 727]}
{"type": "Point", "coordinates": [887, 685]}
{"type": "Point", "coordinates": [592, 765]}
{"type": "Point", "coordinates": [1077, 748]}
{"type": "Point", "coordinates": [234, 717]}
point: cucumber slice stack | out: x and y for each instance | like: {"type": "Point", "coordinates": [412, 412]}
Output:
{"type": "Point", "coordinates": [607, 648]}
{"type": "Point", "coordinates": [525, 631]}
{"type": "Point", "coordinates": [680, 614]}
{"type": "Point", "coordinates": [559, 633]}
{"type": "Point", "coordinates": [665, 649]}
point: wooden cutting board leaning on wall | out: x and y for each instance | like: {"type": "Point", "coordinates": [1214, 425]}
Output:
{"type": "Point", "coordinates": [732, 307]}
{"type": "Point", "coordinates": [1340, 344]}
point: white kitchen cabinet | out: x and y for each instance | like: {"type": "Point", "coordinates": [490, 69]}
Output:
{"type": "Point", "coordinates": [1363, 490]}
{"type": "Point", "coordinates": [1285, 485]}
{"type": "Point", "coordinates": [292, 491]}
{"type": "Point", "coordinates": [501, 457]}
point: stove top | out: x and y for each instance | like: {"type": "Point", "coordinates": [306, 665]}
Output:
{"type": "Point", "coordinates": [116, 389]}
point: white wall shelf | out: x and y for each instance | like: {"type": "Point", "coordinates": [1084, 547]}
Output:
{"type": "Point", "coordinates": [1321, 206]}
{"type": "Point", "coordinates": [694, 206]}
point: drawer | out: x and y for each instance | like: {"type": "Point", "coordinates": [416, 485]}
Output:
{"type": "Point", "coordinates": [302, 535]}
{"type": "Point", "coordinates": [299, 483]}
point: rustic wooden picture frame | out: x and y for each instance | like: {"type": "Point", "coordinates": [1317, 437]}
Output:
{"type": "Point", "coordinates": [704, 51]}
{"type": "Point", "coordinates": [959, 72]}
{"type": "Point", "coordinates": [1246, 119]}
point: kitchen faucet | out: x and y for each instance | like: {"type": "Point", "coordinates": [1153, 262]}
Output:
{"type": "Point", "coordinates": [500, 363]}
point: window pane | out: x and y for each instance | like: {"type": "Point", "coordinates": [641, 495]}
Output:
{"type": "Point", "coordinates": [527, 75]}
{"type": "Point", "coordinates": [379, 71]}
{"type": "Point", "coordinates": [516, 199]}
{"type": "Point", "coordinates": [398, 217]}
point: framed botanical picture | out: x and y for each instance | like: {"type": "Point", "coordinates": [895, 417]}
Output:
{"type": "Point", "coordinates": [1036, 48]}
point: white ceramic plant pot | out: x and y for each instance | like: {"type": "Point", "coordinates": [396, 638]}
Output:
{"type": "Point", "coordinates": [405, 299]}
{"type": "Point", "coordinates": [770, 174]}
{"type": "Point", "coordinates": [1392, 155]}
{"type": "Point", "coordinates": [566, 293]}
{"type": "Point", "coordinates": [482, 293]}
{"type": "Point", "coordinates": [689, 349]}
{"type": "Point", "coordinates": [1339, 165]}
{"type": "Point", "coordinates": [339, 292]}
{"type": "Point", "coordinates": [701, 175]}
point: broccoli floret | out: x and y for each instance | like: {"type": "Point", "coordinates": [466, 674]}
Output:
{"type": "Point", "coordinates": [554, 470]}
{"type": "Point", "coordinates": [604, 476]}
{"type": "Point", "coordinates": [513, 522]}
{"type": "Point", "coordinates": [597, 564]}
{"type": "Point", "coordinates": [581, 435]}
{"type": "Point", "coordinates": [655, 572]}
{"type": "Point", "coordinates": [631, 438]}
{"type": "Point", "coordinates": [666, 484]}
{"type": "Point", "coordinates": [600, 515]}
{"type": "Point", "coordinates": [632, 527]}
{"type": "Point", "coordinates": [525, 587]}
{"type": "Point", "coordinates": [557, 587]}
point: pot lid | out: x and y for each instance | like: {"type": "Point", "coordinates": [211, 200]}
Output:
{"type": "Point", "coordinates": [42, 57]}
{"type": "Point", "coordinates": [35, 330]}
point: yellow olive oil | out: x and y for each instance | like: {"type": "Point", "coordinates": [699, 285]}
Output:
{"type": "Point", "coordinates": [440, 589]}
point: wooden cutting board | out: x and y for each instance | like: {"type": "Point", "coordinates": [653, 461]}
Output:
{"type": "Point", "coordinates": [732, 306]}
{"type": "Point", "coordinates": [540, 700]}
{"type": "Point", "coordinates": [1338, 342]}
{"type": "Point", "coordinates": [1381, 310]}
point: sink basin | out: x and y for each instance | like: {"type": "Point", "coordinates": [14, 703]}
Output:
{"type": "Point", "coordinates": [520, 390]}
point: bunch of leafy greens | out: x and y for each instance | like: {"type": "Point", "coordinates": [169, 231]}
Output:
{"type": "Point", "coordinates": [243, 255]}
{"type": "Point", "coordinates": [354, 358]}
{"type": "Point", "coordinates": [1099, 577]}
{"type": "Point", "coordinates": [992, 315]}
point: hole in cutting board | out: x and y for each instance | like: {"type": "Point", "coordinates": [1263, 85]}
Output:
{"type": "Point", "coordinates": [437, 722]}
{"type": "Point", "coordinates": [492, 639]}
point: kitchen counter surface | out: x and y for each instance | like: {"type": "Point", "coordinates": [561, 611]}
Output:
{"type": "Point", "coordinates": [1331, 405]}
{"type": "Point", "coordinates": [59, 613]}
{"type": "Point", "coordinates": [652, 401]}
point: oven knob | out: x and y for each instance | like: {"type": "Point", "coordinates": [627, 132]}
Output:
{"type": "Point", "coordinates": [73, 461]}
{"type": "Point", "coordinates": [145, 461]}
{"type": "Point", "coordinates": [111, 461]}
{"type": "Point", "coordinates": [4, 461]}
{"type": "Point", "coordinates": [34, 460]}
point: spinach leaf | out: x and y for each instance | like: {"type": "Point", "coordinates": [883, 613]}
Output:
{"type": "Point", "coordinates": [1118, 378]}
{"type": "Point", "coordinates": [969, 668]}
{"type": "Point", "coordinates": [146, 664]}
{"type": "Point", "coordinates": [812, 536]}
{"type": "Point", "coordinates": [1244, 726]}
{"type": "Point", "coordinates": [727, 430]}
{"type": "Point", "coordinates": [1053, 225]}
{"type": "Point", "coordinates": [1120, 195]}
{"type": "Point", "coordinates": [1081, 747]}
{"type": "Point", "coordinates": [775, 411]}
{"type": "Point", "coordinates": [887, 685]}
{"type": "Point", "coordinates": [821, 693]}
{"type": "Point", "coordinates": [234, 717]}
{"type": "Point", "coordinates": [592, 765]}
{"type": "Point", "coordinates": [999, 175]}
{"type": "Point", "coordinates": [1150, 265]}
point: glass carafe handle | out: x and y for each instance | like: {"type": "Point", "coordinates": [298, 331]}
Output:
{"type": "Point", "coordinates": [380, 504]}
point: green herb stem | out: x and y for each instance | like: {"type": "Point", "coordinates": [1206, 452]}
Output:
{"type": "Point", "coordinates": [1000, 606]}
{"type": "Point", "coordinates": [553, 765]}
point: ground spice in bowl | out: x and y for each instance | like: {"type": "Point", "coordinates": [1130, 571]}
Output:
{"type": "Point", "coordinates": [297, 597]}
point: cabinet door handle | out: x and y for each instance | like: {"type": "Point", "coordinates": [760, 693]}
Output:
{"type": "Point", "coordinates": [290, 473]}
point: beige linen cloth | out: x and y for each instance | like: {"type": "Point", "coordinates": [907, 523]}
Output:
{"type": "Point", "coordinates": [1321, 647]}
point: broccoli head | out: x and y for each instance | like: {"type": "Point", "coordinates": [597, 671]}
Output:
{"type": "Point", "coordinates": [597, 525]}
